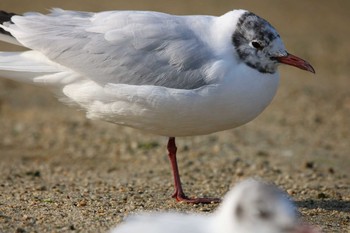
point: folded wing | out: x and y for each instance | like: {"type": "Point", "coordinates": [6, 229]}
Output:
{"type": "Point", "coordinates": [120, 47]}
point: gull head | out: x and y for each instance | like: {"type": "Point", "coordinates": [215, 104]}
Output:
{"type": "Point", "coordinates": [255, 206]}
{"type": "Point", "coordinates": [259, 45]}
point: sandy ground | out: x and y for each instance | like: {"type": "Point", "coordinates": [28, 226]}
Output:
{"type": "Point", "coordinates": [62, 173]}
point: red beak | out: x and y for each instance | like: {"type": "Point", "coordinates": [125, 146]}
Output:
{"type": "Point", "coordinates": [296, 61]}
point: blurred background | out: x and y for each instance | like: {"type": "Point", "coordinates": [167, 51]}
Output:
{"type": "Point", "coordinates": [301, 141]}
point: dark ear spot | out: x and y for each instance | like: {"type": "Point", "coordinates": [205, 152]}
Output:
{"type": "Point", "coordinates": [265, 215]}
{"type": "Point", "coordinates": [239, 212]}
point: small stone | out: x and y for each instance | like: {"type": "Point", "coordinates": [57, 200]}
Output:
{"type": "Point", "coordinates": [309, 165]}
{"type": "Point", "coordinates": [322, 195]}
{"type": "Point", "coordinates": [262, 153]}
{"type": "Point", "coordinates": [291, 192]}
{"type": "Point", "coordinates": [318, 120]}
{"type": "Point", "coordinates": [33, 173]}
{"type": "Point", "coordinates": [42, 188]}
{"type": "Point", "coordinates": [239, 172]}
{"type": "Point", "coordinates": [82, 203]}
{"type": "Point", "coordinates": [20, 230]}
{"type": "Point", "coordinates": [331, 170]}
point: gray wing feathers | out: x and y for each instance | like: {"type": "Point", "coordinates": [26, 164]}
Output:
{"type": "Point", "coordinates": [126, 47]}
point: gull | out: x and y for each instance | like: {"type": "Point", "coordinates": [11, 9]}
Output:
{"type": "Point", "coordinates": [252, 206]}
{"type": "Point", "coordinates": [164, 74]}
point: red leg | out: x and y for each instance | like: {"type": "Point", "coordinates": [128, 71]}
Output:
{"type": "Point", "coordinates": [179, 195]}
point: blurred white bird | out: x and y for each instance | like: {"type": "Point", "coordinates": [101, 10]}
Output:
{"type": "Point", "coordinates": [164, 74]}
{"type": "Point", "coordinates": [250, 207]}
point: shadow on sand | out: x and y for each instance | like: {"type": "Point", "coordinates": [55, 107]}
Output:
{"type": "Point", "coordinates": [339, 205]}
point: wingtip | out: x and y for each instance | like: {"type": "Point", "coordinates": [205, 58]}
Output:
{"type": "Point", "coordinates": [5, 17]}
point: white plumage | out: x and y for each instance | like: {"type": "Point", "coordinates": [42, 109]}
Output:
{"type": "Point", "coordinates": [250, 207]}
{"type": "Point", "coordinates": [164, 74]}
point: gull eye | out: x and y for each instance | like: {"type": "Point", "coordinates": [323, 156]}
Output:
{"type": "Point", "coordinates": [257, 45]}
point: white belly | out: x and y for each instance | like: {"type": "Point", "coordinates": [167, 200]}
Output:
{"type": "Point", "coordinates": [175, 112]}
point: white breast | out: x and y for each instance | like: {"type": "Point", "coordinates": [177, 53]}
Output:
{"type": "Point", "coordinates": [173, 112]}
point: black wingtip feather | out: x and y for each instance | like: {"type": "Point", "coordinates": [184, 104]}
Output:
{"type": "Point", "coordinates": [4, 18]}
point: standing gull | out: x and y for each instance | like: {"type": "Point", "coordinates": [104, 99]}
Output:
{"type": "Point", "coordinates": [164, 74]}
{"type": "Point", "coordinates": [250, 207]}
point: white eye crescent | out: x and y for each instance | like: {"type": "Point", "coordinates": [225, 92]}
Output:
{"type": "Point", "coordinates": [257, 45]}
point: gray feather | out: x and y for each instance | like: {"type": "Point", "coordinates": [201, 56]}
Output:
{"type": "Point", "coordinates": [120, 47]}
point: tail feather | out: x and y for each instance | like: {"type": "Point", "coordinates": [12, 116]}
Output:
{"type": "Point", "coordinates": [33, 67]}
{"type": "Point", "coordinates": [26, 61]}
{"type": "Point", "coordinates": [22, 66]}
{"type": "Point", "coordinates": [9, 39]}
